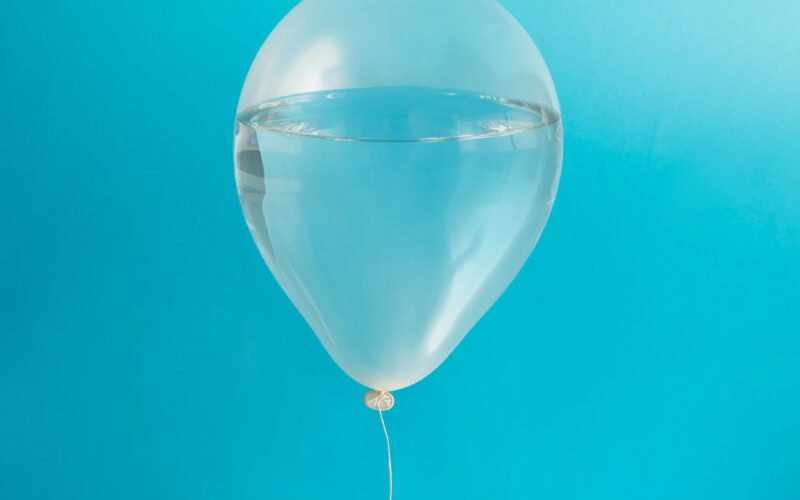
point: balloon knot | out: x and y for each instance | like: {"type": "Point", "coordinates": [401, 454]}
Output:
{"type": "Point", "coordinates": [379, 400]}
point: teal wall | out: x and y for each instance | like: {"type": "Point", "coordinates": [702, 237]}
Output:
{"type": "Point", "coordinates": [648, 350]}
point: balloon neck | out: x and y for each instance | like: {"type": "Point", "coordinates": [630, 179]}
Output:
{"type": "Point", "coordinates": [379, 400]}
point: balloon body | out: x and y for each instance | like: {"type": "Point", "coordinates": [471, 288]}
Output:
{"type": "Point", "coordinates": [396, 163]}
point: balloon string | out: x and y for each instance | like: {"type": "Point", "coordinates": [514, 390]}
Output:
{"type": "Point", "coordinates": [388, 449]}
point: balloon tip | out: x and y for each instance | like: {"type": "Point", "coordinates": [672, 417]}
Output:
{"type": "Point", "coordinates": [379, 400]}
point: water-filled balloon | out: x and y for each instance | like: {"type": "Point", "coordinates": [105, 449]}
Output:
{"type": "Point", "coordinates": [396, 163]}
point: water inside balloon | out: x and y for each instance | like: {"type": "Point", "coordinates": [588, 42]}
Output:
{"type": "Point", "coordinates": [394, 217]}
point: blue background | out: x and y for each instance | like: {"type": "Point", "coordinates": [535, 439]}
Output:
{"type": "Point", "coordinates": [649, 349]}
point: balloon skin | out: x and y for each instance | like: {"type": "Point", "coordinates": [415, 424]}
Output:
{"type": "Point", "coordinates": [395, 180]}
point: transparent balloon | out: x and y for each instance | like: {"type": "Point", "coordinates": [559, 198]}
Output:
{"type": "Point", "coordinates": [396, 163]}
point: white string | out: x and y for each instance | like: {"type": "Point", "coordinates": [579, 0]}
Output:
{"type": "Point", "coordinates": [388, 449]}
